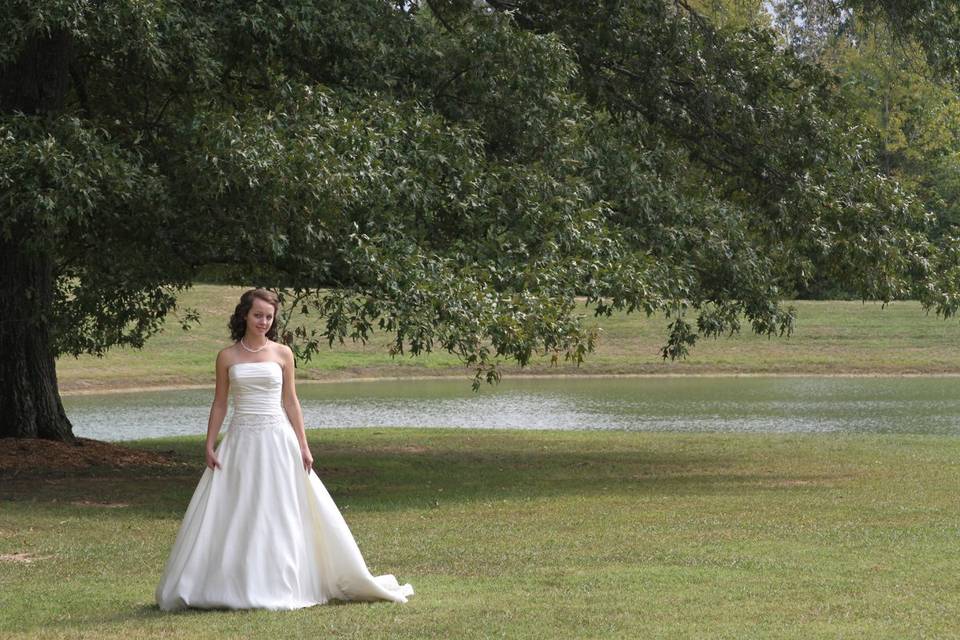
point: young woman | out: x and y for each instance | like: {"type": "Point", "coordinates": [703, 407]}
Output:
{"type": "Point", "coordinates": [261, 531]}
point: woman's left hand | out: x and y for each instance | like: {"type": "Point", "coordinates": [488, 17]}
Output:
{"type": "Point", "coordinates": [307, 458]}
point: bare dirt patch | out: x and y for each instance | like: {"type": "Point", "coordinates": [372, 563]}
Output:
{"type": "Point", "coordinates": [815, 481]}
{"type": "Point", "coordinates": [21, 558]}
{"type": "Point", "coordinates": [410, 448]}
{"type": "Point", "coordinates": [32, 456]}
{"type": "Point", "coordinates": [102, 505]}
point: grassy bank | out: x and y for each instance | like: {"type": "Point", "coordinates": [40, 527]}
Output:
{"type": "Point", "coordinates": [832, 337]}
{"type": "Point", "coordinates": [535, 535]}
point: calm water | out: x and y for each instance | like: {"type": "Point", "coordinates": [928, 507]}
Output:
{"type": "Point", "coordinates": [877, 405]}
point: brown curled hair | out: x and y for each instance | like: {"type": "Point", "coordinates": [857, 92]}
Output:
{"type": "Point", "coordinates": [238, 321]}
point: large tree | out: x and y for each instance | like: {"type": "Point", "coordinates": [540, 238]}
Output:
{"type": "Point", "coordinates": [453, 172]}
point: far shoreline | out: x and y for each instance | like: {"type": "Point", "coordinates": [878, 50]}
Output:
{"type": "Point", "coordinates": [832, 339]}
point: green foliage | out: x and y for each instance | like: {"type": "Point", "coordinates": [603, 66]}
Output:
{"type": "Point", "coordinates": [917, 118]}
{"type": "Point", "coordinates": [71, 191]}
{"type": "Point", "coordinates": [910, 116]}
{"type": "Point", "coordinates": [452, 174]}
{"type": "Point", "coordinates": [934, 24]}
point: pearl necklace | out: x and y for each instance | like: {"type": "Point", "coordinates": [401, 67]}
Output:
{"type": "Point", "coordinates": [242, 344]}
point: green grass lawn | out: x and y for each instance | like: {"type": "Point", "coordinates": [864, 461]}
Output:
{"type": "Point", "coordinates": [831, 337]}
{"type": "Point", "coordinates": [523, 534]}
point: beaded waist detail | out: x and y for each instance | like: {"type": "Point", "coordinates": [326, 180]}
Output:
{"type": "Point", "coordinates": [258, 421]}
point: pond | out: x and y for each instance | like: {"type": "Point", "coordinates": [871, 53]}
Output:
{"type": "Point", "coordinates": [928, 405]}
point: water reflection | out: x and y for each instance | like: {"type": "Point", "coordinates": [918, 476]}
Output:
{"type": "Point", "coordinates": [878, 405]}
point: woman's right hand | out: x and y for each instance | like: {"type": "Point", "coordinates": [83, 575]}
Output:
{"type": "Point", "coordinates": [212, 461]}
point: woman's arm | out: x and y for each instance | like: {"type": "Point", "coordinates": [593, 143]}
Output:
{"type": "Point", "coordinates": [218, 411]}
{"type": "Point", "coordinates": [291, 404]}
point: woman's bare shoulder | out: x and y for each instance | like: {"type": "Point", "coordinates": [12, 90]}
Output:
{"type": "Point", "coordinates": [283, 352]}
{"type": "Point", "coordinates": [227, 356]}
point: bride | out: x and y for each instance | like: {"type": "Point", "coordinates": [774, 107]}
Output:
{"type": "Point", "coordinates": [261, 531]}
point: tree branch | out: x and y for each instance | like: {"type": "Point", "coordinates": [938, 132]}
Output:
{"type": "Point", "coordinates": [439, 15]}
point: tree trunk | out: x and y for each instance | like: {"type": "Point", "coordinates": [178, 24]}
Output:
{"type": "Point", "coordinates": [35, 83]}
{"type": "Point", "coordinates": [30, 404]}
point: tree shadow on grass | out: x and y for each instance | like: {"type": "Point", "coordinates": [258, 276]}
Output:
{"type": "Point", "coordinates": [414, 471]}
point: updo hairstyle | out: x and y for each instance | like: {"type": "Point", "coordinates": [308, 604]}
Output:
{"type": "Point", "coordinates": [238, 321]}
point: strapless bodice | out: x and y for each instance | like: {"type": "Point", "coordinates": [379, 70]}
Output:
{"type": "Point", "coordinates": [257, 387]}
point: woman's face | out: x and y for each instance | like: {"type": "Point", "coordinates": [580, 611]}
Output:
{"type": "Point", "coordinates": [259, 318]}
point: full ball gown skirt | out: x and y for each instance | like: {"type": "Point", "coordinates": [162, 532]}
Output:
{"type": "Point", "coordinates": [260, 532]}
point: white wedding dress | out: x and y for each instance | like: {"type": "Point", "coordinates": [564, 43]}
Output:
{"type": "Point", "coordinates": [260, 532]}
